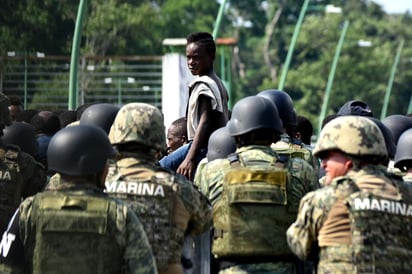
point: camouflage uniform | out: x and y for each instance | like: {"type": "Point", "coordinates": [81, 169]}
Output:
{"type": "Point", "coordinates": [128, 247]}
{"type": "Point", "coordinates": [26, 178]}
{"type": "Point", "coordinates": [76, 228]}
{"type": "Point", "coordinates": [346, 227]}
{"type": "Point", "coordinates": [169, 205]}
{"type": "Point", "coordinates": [211, 179]}
{"type": "Point", "coordinates": [20, 174]}
{"type": "Point", "coordinates": [286, 148]}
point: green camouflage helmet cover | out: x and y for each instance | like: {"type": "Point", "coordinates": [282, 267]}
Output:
{"type": "Point", "coordinates": [353, 135]}
{"type": "Point", "coordinates": [139, 123]}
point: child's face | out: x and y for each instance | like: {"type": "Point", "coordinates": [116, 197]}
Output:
{"type": "Point", "coordinates": [199, 60]}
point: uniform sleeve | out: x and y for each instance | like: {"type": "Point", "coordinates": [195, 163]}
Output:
{"type": "Point", "coordinates": [11, 248]}
{"type": "Point", "coordinates": [199, 209]}
{"type": "Point", "coordinates": [138, 255]}
{"type": "Point", "coordinates": [34, 175]}
{"type": "Point", "coordinates": [302, 234]}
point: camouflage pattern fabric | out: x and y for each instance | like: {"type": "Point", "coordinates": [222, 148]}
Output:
{"type": "Point", "coordinates": [141, 123]}
{"type": "Point", "coordinates": [211, 178]}
{"type": "Point", "coordinates": [140, 183]}
{"type": "Point", "coordinates": [21, 176]}
{"type": "Point", "coordinates": [5, 118]}
{"type": "Point", "coordinates": [365, 137]}
{"type": "Point", "coordinates": [123, 249]}
{"type": "Point", "coordinates": [286, 147]}
{"type": "Point", "coordinates": [367, 224]}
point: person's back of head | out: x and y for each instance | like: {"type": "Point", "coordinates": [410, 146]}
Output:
{"type": "Point", "coordinates": [304, 130]}
{"type": "Point", "coordinates": [5, 119]}
{"type": "Point", "coordinates": [139, 126]}
{"type": "Point", "coordinates": [15, 107]}
{"type": "Point", "coordinates": [45, 122]}
{"type": "Point", "coordinates": [255, 120]}
{"type": "Point", "coordinates": [355, 107]}
{"type": "Point", "coordinates": [26, 115]}
{"type": "Point", "coordinates": [67, 117]}
{"type": "Point", "coordinates": [101, 115]}
{"type": "Point", "coordinates": [220, 144]}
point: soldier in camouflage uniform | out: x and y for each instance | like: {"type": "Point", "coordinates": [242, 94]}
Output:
{"type": "Point", "coordinates": [289, 146]}
{"type": "Point", "coordinates": [20, 175]}
{"type": "Point", "coordinates": [169, 206]}
{"type": "Point", "coordinates": [76, 228]}
{"type": "Point", "coordinates": [360, 221]}
{"type": "Point", "coordinates": [255, 196]}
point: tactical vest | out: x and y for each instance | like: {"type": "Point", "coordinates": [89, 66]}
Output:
{"type": "Point", "coordinates": [380, 229]}
{"type": "Point", "coordinates": [11, 184]}
{"type": "Point", "coordinates": [153, 197]}
{"type": "Point", "coordinates": [77, 229]}
{"type": "Point", "coordinates": [254, 211]}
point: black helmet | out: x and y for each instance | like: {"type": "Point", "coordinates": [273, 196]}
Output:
{"type": "Point", "coordinates": [403, 156]}
{"type": "Point", "coordinates": [388, 136]}
{"type": "Point", "coordinates": [284, 104]}
{"type": "Point", "coordinates": [355, 107]}
{"type": "Point", "coordinates": [397, 123]}
{"type": "Point", "coordinates": [254, 112]}
{"type": "Point", "coordinates": [101, 115]}
{"type": "Point", "coordinates": [220, 144]}
{"type": "Point", "coordinates": [22, 135]}
{"type": "Point", "coordinates": [79, 150]}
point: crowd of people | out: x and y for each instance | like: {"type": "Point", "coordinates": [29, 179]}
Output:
{"type": "Point", "coordinates": [106, 189]}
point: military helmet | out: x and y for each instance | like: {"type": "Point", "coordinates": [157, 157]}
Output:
{"type": "Point", "coordinates": [79, 151]}
{"type": "Point", "coordinates": [22, 135]}
{"type": "Point", "coordinates": [254, 112]}
{"type": "Point", "coordinates": [353, 135]}
{"type": "Point", "coordinates": [101, 115]}
{"type": "Point", "coordinates": [397, 123]}
{"type": "Point", "coordinates": [284, 104]}
{"type": "Point", "coordinates": [220, 144]}
{"type": "Point", "coordinates": [387, 134]}
{"type": "Point", "coordinates": [403, 156]}
{"type": "Point", "coordinates": [355, 107]}
{"type": "Point", "coordinates": [139, 123]}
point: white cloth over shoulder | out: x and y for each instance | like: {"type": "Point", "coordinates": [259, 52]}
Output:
{"type": "Point", "coordinates": [206, 86]}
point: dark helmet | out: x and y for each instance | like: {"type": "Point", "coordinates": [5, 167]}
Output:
{"type": "Point", "coordinates": [403, 156]}
{"type": "Point", "coordinates": [100, 115]}
{"type": "Point", "coordinates": [220, 144]}
{"type": "Point", "coordinates": [355, 107]}
{"type": "Point", "coordinates": [254, 112]}
{"type": "Point", "coordinates": [79, 150]}
{"type": "Point", "coordinates": [397, 123]}
{"type": "Point", "coordinates": [284, 104]}
{"type": "Point", "coordinates": [22, 135]}
{"type": "Point", "coordinates": [388, 136]}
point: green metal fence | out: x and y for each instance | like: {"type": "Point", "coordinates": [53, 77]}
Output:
{"type": "Point", "coordinates": [42, 82]}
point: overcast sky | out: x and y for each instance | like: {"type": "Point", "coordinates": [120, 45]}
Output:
{"type": "Point", "coordinates": [395, 6]}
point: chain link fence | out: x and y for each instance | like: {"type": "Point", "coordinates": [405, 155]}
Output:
{"type": "Point", "coordinates": [42, 82]}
